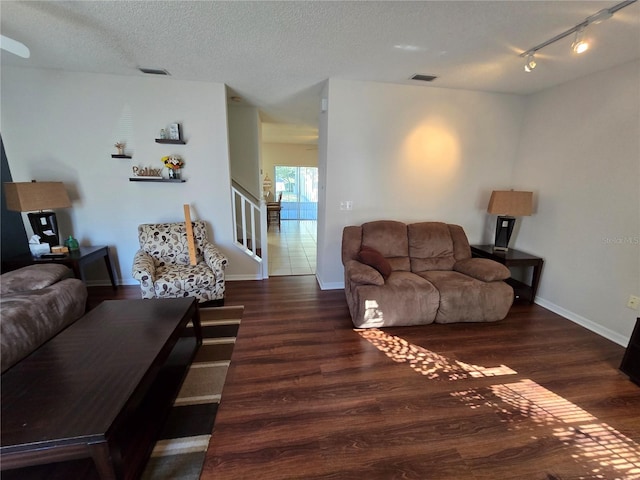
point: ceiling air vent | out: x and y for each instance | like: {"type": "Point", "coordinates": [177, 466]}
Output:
{"type": "Point", "coordinates": [424, 78]}
{"type": "Point", "coordinates": [154, 71]}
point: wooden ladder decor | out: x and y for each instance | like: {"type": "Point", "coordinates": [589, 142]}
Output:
{"type": "Point", "coordinates": [190, 240]}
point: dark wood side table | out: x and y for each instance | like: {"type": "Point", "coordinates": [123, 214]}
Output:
{"type": "Point", "coordinates": [75, 260]}
{"type": "Point", "coordinates": [514, 258]}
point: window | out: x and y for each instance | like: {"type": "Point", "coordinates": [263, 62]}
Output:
{"type": "Point", "coordinates": [299, 187]}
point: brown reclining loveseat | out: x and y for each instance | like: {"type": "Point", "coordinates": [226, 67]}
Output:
{"type": "Point", "coordinates": [420, 273]}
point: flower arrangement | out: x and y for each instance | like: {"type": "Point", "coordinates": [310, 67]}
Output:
{"type": "Point", "coordinates": [173, 162]}
{"type": "Point", "coordinates": [120, 146]}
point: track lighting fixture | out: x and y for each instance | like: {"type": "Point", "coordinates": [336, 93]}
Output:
{"type": "Point", "coordinates": [530, 63]}
{"type": "Point", "coordinates": [580, 44]}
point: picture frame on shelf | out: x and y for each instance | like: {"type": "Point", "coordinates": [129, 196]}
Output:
{"type": "Point", "coordinates": [174, 131]}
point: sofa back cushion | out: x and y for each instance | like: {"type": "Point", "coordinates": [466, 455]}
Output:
{"type": "Point", "coordinates": [351, 243]}
{"type": "Point", "coordinates": [167, 242]}
{"type": "Point", "coordinates": [417, 247]}
{"type": "Point", "coordinates": [430, 246]}
{"type": "Point", "coordinates": [390, 239]}
{"type": "Point", "coordinates": [33, 277]}
{"type": "Point", "coordinates": [461, 248]}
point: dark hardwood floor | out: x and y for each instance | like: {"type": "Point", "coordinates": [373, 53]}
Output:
{"type": "Point", "coordinates": [534, 396]}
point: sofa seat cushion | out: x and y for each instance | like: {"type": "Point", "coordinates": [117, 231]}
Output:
{"type": "Point", "coordinates": [173, 280]}
{"type": "Point", "coordinates": [404, 299]}
{"type": "Point", "coordinates": [466, 299]}
{"type": "Point", "coordinates": [33, 277]}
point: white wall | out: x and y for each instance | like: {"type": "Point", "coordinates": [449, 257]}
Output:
{"type": "Point", "coordinates": [244, 145]}
{"type": "Point", "coordinates": [411, 153]}
{"type": "Point", "coordinates": [323, 243]}
{"type": "Point", "coordinates": [580, 151]}
{"type": "Point", "coordinates": [62, 126]}
{"type": "Point", "coordinates": [401, 152]}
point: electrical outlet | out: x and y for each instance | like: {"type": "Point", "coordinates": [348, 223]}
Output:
{"type": "Point", "coordinates": [634, 302]}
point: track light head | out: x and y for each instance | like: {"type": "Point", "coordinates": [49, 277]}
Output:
{"type": "Point", "coordinates": [580, 45]}
{"type": "Point", "coordinates": [530, 64]}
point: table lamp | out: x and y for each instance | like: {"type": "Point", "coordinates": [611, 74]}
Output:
{"type": "Point", "coordinates": [508, 204]}
{"type": "Point", "coordinates": [32, 196]}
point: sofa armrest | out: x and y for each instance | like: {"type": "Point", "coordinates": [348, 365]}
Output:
{"type": "Point", "coordinates": [214, 259]}
{"type": "Point", "coordinates": [482, 269]}
{"type": "Point", "coordinates": [33, 277]}
{"type": "Point", "coordinates": [362, 274]}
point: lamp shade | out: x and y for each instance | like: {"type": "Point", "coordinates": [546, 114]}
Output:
{"type": "Point", "coordinates": [32, 196]}
{"type": "Point", "coordinates": [510, 202]}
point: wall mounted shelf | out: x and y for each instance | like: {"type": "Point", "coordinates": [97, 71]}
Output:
{"type": "Point", "coordinates": [168, 140]}
{"type": "Point", "coordinates": [165, 180]}
{"type": "Point", "coordinates": [113, 155]}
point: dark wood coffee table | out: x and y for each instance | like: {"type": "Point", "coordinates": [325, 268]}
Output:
{"type": "Point", "coordinates": [100, 389]}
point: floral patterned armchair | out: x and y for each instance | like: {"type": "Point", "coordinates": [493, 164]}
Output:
{"type": "Point", "coordinates": [163, 268]}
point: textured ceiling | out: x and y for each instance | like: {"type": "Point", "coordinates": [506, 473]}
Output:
{"type": "Point", "coordinates": [277, 55]}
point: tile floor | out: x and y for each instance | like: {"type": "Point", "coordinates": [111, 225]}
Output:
{"type": "Point", "coordinates": [292, 251]}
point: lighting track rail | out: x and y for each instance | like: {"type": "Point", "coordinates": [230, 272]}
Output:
{"type": "Point", "coordinates": [594, 19]}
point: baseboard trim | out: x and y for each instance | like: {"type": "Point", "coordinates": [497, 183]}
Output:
{"type": "Point", "coordinates": [105, 282]}
{"type": "Point", "coordinates": [233, 278]}
{"type": "Point", "coordinates": [329, 285]}
{"type": "Point", "coordinates": [584, 322]}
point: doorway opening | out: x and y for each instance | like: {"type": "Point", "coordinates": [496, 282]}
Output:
{"type": "Point", "coordinates": [292, 248]}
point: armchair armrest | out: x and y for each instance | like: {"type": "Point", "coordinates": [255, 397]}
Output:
{"type": "Point", "coordinates": [143, 266]}
{"type": "Point", "coordinates": [482, 269]}
{"type": "Point", "coordinates": [144, 270]}
{"type": "Point", "coordinates": [214, 259]}
{"type": "Point", "coordinates": [361, 274]}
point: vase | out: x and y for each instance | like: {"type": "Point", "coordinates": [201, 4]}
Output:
{"type": "Point", "coordinates": [174, 173]}
{"type": "Point", "coordinates": [72, 244]}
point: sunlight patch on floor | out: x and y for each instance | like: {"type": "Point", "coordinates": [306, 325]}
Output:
{"type": "Point", "coordinates": [426, 362]}
{"type": "Point", "coordinates": [605, 452]}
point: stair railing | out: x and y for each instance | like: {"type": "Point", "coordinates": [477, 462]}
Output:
{"type": "Point", "coordinates": [250, 218]}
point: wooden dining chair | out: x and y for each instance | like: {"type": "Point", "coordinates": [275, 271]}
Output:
{"type": "Point", "coordinates": [273, 212]}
